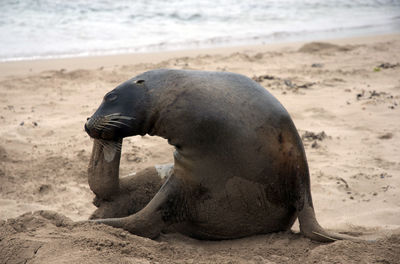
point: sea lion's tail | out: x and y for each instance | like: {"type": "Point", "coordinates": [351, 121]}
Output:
{"type": "Point", "coordinates": [310, 227]}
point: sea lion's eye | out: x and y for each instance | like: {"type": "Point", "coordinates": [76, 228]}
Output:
{"type": "Point", "coordinates": [139, 81]}
{"type": "Point", "coordinates": [110, 97]}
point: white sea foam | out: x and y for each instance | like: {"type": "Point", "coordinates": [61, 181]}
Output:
{"type": "Point", "coordinates": [32, 29]}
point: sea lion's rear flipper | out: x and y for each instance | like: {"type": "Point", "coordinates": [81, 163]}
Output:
{"type": "Point", "coordinates": [310, 227]}
{"type": "Point", "coordinates": [135, 191]}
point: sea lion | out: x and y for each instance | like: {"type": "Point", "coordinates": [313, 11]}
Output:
{"type": "Point", "coordinates": [239, 164]}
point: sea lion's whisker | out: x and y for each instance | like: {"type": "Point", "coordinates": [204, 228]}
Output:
{"type": "Point", "coordinates": [118, 116]}
{"type": "Point", "coordinates": [118, 147]}
{"type": "Point", "coordinates": [113, 121]}
{"type": "Point", "coordinates": [105, 125]}
{"type": "Point", "coordinates": [112, 145]}
{"type": "Point", "coordinates": [101, 127]}
{"type": "Point", "coordinates": [110, 142]}
{"type": "Point", "coordinates": [109, 147]}
{"type": "Point", "coordinates": [108, 124]}
{"type": "Point", "coordinates": [117, 122]}
{"type": "Point", "coordinates": [124, 117]}
{"type": "Point", "coordinates": [101, 143]}
{"type": "Point", "coordinates": [114, 114]}
{"type": "Point", "coordinates": [107, 133]}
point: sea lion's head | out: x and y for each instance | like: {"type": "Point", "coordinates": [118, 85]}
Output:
{"type": "Point", "coordinates": [121, 114]}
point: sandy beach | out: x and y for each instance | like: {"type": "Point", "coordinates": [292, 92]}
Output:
{"type": "Point", "coordinates": [343, 96]}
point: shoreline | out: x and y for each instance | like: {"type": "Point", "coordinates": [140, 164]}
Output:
{"type": "Point", "coordinates": [35, 66]}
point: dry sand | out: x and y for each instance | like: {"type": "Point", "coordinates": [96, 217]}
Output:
{"type": "Point", "coordinates": [343, 97]}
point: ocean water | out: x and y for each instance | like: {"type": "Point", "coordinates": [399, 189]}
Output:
{"type": "Point", "coordinates": [33, 29]}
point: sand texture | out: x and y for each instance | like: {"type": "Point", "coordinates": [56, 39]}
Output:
{"type": "Point", "coordinates": [343, 96]}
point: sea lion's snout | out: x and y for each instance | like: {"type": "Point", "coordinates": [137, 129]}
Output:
{"type": "Point", "coordinates": [86, 125]}
{"type": "Point", "coordinates": [98, 127]}
{"type": "Point", "coordinates": [108, 127]}
{"type": "Point", "coordinates": [92, 128]}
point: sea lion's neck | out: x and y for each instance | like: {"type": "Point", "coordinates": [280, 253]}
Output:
{"type": "Point", "coordinates": [155, 123]}
{"type": "Point", "coordinates": [160, 111]}
{"type": "Point", "coordinates": [150, 124]}
{"type": "Point", "coordinates": [159, 124]}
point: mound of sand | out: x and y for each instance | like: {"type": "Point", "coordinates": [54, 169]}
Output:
{"type": "Point", "coordinates": [48, 237]}
{"type": "Point", "coordinates": [324, 47]}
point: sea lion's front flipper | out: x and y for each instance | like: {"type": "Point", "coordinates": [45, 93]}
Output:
{"type": "Point", "coordinates": [103, 170]}
{"type": "Point", "coordinates": [159, 213]}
